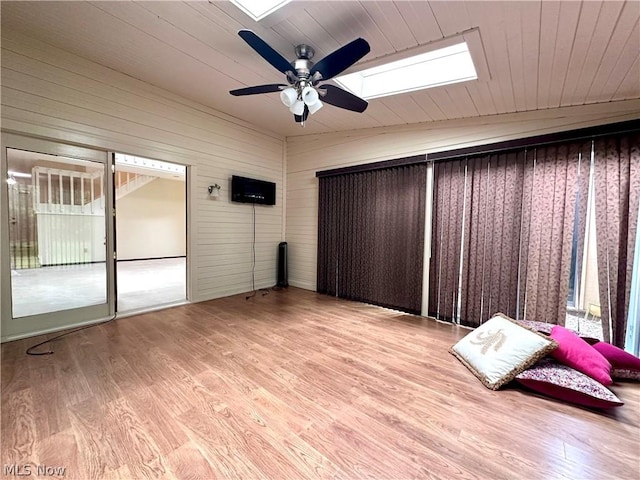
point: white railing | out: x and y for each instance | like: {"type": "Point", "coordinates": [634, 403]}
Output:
{"type": "Point", "coordinates": [78, 193]}
{"type": "Point", "coordinates": [67, 192]}
{"type": "Point", "coordinates": [127, 182]}
{"type": "Point", "coordinates": [69, 207]}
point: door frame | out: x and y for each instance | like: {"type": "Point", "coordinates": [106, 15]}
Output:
{"type": "Point", "coordinates": [13, 329]}
{"type": "Point", "coordinates": [190, 200]}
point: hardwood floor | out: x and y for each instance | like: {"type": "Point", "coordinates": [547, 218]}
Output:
{"type": "Point", "coordinates": [291, 385]}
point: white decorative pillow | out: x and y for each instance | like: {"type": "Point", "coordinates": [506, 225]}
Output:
{"type": "Point", "coordinates": [500, 349]}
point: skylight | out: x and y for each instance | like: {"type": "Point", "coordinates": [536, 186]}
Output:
{"type": "Point", "coordinates": [444, 66]}
{"type": "Point", "coordinates": [258, 9]}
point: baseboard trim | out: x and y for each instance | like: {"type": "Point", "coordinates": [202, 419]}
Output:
{"type": "Point", "coordinates": [155, 308]}
{"type": "Point", "coordinates": [20, 336]}
{"type": "Point", "coordinates": [303, 285]}
{"type": "Point", "coordinates": [150, 258]}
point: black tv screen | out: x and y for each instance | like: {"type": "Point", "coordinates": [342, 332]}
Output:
{"type": "Point", "coordinates": [251, 190]}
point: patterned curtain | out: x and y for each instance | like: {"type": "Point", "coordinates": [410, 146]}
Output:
{"type": "Point", "coordinates": [582, 201]}
{"type": "Point", "coordinates": [551, 217]}
{"type": "Point", "coordinates": [492, 236]}
{"type": "Point", "coordinates": [617, 193]}
{"type": "Point", "coordinates": [446, 234]}
{"type": "Point", "coordinates": [509, 218]}
{"type": "Point", "coordinates": [371, 236]}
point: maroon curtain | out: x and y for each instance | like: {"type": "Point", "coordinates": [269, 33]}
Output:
{"type": "Point", "coordinates": [492, 236]}
{"type": "Point", "coordinates": [446, 234]}
{"type": "Point", "coordinates": [583, 152]}
{"type": "Point", "coordinates": [356, 244]}
{"type": "Point", "coordinates": [552, 222]}
{"type": "Point", "coordinates": [328, 233]}
{"type": "Point", "coordinates": [509, 217]}
{"type": "Point", "coordinates": [617, 193]}
{"type": "Point", "coordinates": [371, 236]}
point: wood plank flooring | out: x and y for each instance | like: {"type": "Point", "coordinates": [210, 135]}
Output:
{"type": "Point", "coordinates": [291, 385]}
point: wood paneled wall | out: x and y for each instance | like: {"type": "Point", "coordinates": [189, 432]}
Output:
{"type": "Point", "coordinates": [311, 153]}
{"type": "Point", "coordinates": [50, 93]}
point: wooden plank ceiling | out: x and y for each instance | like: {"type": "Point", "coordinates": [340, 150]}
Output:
{"type": "Point", "coordinates": [540, 54]}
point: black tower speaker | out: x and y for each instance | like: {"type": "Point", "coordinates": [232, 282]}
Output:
{"type": "Point", "coordinates": [282, 265]}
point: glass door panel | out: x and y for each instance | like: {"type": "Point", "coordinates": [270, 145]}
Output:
{"type": "Point", "coordinates": [57, 233]}
{"type": "Point", "coordinates": [57, 271]}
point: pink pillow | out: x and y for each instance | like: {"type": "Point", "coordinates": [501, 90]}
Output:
{"type": "Point", "coordinates": [576, 353]}
{"type": "Point", "coordinates": [622, 363]}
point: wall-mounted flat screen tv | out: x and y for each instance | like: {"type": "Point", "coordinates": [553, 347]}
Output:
{"type": "Point", "coordinates": [250, 190]}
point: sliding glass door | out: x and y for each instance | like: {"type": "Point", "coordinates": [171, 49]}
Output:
{"type": "Point", "coordinates": [57, 236]}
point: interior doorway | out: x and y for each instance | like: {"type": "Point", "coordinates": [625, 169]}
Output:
{"type": "Point", "coordinates": [63, 264]}
{"type": "Point", "coordinates": [151, 233]}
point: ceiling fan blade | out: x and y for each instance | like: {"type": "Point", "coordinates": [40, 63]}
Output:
{"type": "Point", "coordinates": [338, 61]}
{"type": "Point", "coordinates": [341, 98]}
{"type": "Point", "coordinates": [266, 52]}
{"type": "Point", "coordinates": [272, 87]}
{"type": "Point", "coordinates": [303, 117]}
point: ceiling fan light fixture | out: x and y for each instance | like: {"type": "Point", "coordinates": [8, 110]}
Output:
{"type": "Point", "coordinates": [309, 95]}
{"type": "Point", "coordinates": [289, 96]}
{"type": "Point", "coordinates": [297, 108]}
{"type": "Point", "coordinates": [314, 107]}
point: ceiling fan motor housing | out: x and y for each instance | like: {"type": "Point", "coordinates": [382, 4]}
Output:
{"type": "Point", "coordinates": [303, 67]}
{"type": "Point", "coordinates": [303, 63]}
{"type": "Point", "coordinates": [305, 51]}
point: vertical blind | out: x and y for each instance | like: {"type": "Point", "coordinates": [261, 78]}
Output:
{"type": "Point", "coordinates": [507, 229]}
{"type": "Point", "coordinates": [371, 236]}
{"type": "Point", "coordinates": [617, 195]}
{"type": "Point", "coordinates": [503, 230]}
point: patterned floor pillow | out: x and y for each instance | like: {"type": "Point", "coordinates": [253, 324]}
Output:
{"type": "Point", "coordinates": [562, 382]}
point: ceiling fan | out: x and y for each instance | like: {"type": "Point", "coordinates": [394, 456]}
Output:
{"type": "Point", "coordinates": [303, 94]}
